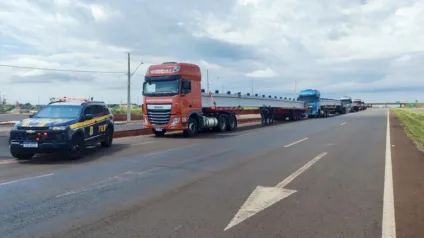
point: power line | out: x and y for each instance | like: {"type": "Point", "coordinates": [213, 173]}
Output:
{"type": "Point", "coordinates": [62, 70]}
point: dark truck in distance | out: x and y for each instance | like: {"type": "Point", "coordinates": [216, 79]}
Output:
{"type": "Point", "coordinates": [66, 125]}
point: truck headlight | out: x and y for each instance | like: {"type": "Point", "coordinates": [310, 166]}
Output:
{"type": "Point", "coordinates": [175, 121]}
{"type": "Point", "coordinates": [58, 128]}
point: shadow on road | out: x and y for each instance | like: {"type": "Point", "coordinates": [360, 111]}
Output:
{"type": "Point", "coordinates": [92, 154]}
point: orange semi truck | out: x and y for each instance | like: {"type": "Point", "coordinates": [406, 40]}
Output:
{"type": "Point", "coordinates": [173, 100]}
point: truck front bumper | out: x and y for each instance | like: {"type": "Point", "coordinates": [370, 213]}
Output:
{"type": "Point", "coordinates": [175, 123]}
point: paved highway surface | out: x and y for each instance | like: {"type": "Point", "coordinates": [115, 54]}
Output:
{"type": "Point", "coordinates": [314, 178]}
{"type": "Point", "coordinates": [12, 117]}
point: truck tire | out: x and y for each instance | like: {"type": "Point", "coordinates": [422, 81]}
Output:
{"type": "Point", "coordinates": [222, 123]}
{"type": "Point", "coordinates": [158, 133]}
{"type": "Point", "coordinates": [319, 114]}
{"type": "Point", "coordinates": [231, 123]}
{"type": "Point", "coordinates": [76, 148]}
{"type": "Point", "coordinates": [20, 155]}
{"type": "Point", "coordinates": [192, 129]}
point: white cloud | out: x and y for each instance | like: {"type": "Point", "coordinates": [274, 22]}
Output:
{"type": "Point", "coordinates": [371, 50]}
{"type": "Point", "coordinates": [262, 73]}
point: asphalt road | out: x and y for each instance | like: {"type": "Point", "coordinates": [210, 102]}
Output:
{"type": "Point", "coordinates": [316, 178]}
{"type": "Point", "coordinates": [12, 117]}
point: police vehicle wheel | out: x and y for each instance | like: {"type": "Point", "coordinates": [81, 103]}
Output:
{"type": "Point", "coordinates": [108, 139]}
{"type": "Point", "coordinates": [76, 149]}
{"type": "Point", "coordinates": [21, 156]}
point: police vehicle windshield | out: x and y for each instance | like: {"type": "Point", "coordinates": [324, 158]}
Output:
{"type": "Point", "coordinates": [59, 111]}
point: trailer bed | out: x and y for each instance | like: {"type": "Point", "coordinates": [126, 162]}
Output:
{"type": "Point", "coordinates": [247, 102]}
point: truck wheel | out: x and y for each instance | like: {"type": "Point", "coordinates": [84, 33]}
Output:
{"type": "Point", "coordinates": [231, 123]}
{"type": "Point", "coordinates": [158, 133]}
{"type": "Point", "coordinates": [222, 123]}
{"type": "Point", "coordinates": [21, 155]}
{"type": "Point", "coordinates": [192, 128]}
{"type": "Point", "coordinates": [108, 138]}
{"type": "Point", "coordinates": [76, 148]}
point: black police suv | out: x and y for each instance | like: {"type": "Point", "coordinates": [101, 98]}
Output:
{"type": "Point", "coordinates": [65, 126]}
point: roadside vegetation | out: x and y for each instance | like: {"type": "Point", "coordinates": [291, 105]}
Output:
{"type": "Point", "coordinates": [414, 125]}
{"type": "Point", "coordinates": [135, 110]}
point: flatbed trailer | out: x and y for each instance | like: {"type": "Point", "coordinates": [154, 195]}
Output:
{"type": "Point", "coordinates": [174, 101]}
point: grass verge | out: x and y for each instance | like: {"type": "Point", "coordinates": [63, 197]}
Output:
{"type": "Point", "coordinates": [414, 125]}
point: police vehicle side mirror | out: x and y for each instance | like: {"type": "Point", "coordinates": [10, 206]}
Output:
{"type": "Point", "coordinates": [88, 116]}
{"type": "Point", "coordinates": [31, 115]}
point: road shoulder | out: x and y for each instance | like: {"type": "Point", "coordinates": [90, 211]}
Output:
{"type": "Point", "coordinates": [408, 180]}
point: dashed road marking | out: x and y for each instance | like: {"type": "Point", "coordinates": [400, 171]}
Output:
{"type": "Point", "coordinates": [117, 179]}
{"type": "Point", "coordinates": [8, 161]}
{"type": "Point", "coordinates": [344, 123]}
{"type": "Point", "coordinates": [296, 142]}
{"type": "Point", "coordinates": [24, 179]}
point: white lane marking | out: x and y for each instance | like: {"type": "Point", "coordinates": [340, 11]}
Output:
{"type": "Point", "coordinates": [302, 169]}
{"type": "Point", "coordinates": [388, 223]}
{"type": "Point", "coordinates": [264, 197]}
{"type": "Point", "coordinates": [165, 151]}
{"type": "Point", "coordinates": [294, 143]}
{"type": "Point", "coordinates": [141, 143]}
{"type": "Point", "coordinates": [8, 161]}
{"type": "Point", "coordinates": [109, 181]}
{"type": "Point", "coordinates": [20, 180]}
{"type": "Point", "coordinates": [343, 123]}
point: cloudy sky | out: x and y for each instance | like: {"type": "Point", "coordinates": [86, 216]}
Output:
{"type": "Point", "coordinates": [371, 49]}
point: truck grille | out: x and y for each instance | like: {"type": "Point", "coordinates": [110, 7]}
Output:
{"type": "Point", "coordinates": [159, 116]}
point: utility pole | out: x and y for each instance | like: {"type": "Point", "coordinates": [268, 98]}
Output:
{"type": "Point", "coordinates": [207, 81]}
{"type": "Point", "coordinates": [129, 90]}
{"type": "Point", "coordinates": [251, 89]}
{"type": "Point", "coordinates": [129, 87]}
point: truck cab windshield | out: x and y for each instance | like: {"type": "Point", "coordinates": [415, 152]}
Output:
{"type": "Point", "coordinates": [309, 98]}
{"type": "Point", "coordinates": [346, 101]}
{"type": "Point", "coordinates": [59, 111]}
{"type": "Point", "coordinates": [161, 86]}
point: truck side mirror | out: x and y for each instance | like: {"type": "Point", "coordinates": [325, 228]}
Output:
{"type": "Point", "coordinates": [186, 86]}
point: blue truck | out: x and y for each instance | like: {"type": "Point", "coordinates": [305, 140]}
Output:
{"type": "Point", "coordinates": [320, 107]}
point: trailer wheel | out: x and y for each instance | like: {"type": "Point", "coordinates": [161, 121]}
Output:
{"type": "Point", "coordinates": [222, 123]}
{"type": "Point", "coordinates": [192, 128]}
{"type": "Point", "coordinates": [231, 123]}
